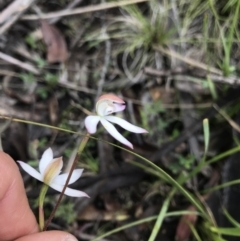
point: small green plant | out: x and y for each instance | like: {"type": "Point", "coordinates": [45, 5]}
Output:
{"type": "Point", "coordinates": [67, 213]}
{"type": "Point", "coordinates": [137, 32]}
{"type": "Point", "coordinates": [227, 36]}
{"type": "Point", "coordinates": [151, 110]}
{"type": "Point", "coordinates": [51, 79]}
{"type": "Point", "coordinates": [27, 77]}
{"type": "Point", "coordinates": [175, 133]}
{"type": "Point", "coordinates": [143, 30]}
{"type": "Point", "coordinates": [183, 163]}
{"type": "Point", "coordinates": [42, 92]}
{"type": "Point", "coordinates": [41, 63]}
{"type": "Point", "coordinates": [90, 162]}
{"type": "Point", "coordinates": [31, 41]}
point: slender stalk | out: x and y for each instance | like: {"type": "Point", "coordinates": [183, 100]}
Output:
{"type": "Point", "coordinates": [41, 203]}
{"type": "Point", "coordinates": [81, 147]}
{"type": "Point", "coordinates": [144, 220]}
{"type": "Point", "coordinates": [161, 216]}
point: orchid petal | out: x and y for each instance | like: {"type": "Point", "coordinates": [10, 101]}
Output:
{"type": "Point", "coordinates": [45, 160]}
{"type": "Point", "coordinates": [91, 123]}
{"type": "Point", "coordinates": [113, 132]}
{"type": "Point", "coordinates": [31, 171]}
{"type": "Point", "coordinates": [69, 191]}
{"type": "Point", "coordinates": [125, 125]}
{"type": "Point", "coordinates": [61, 179]}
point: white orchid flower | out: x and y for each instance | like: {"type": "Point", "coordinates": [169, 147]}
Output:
{"type": "Point", "coordinates": [49, 170]}
{"type": "Point", "coordinates": [106, 105]}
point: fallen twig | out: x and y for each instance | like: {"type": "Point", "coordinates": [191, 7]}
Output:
{"type": "Point", "coordinates": [12, 13]}
{"type": "Point", "coordinates": [18, 63]}
{"type": "Point", "coordinates": [88, 9]}
{"type": "Point", "coordinates": [214, 77]}
{"type": "Point", "coordinates": [189, 61]}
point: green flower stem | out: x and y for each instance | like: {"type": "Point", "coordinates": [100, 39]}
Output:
{"type": "Point", "coordinates": [41, 203]}
{"type": "Point", "coordinates": [81, 147]}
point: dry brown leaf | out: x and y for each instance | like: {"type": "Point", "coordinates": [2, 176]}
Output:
{"type": "Point", "coordinates": [183, 230]}
{"type": "Point", "coordinates": [55, 42]}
